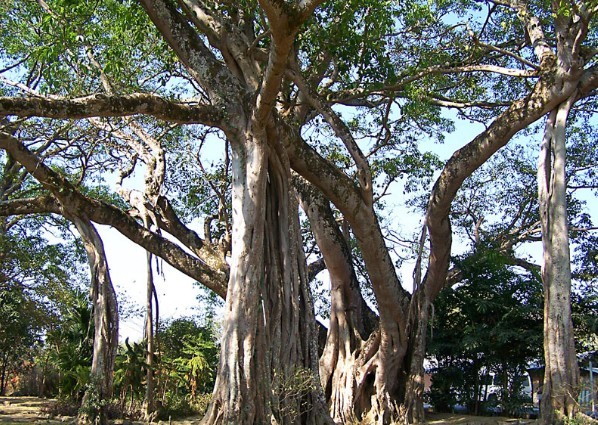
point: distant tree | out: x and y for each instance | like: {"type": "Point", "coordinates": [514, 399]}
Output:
{"type": "Point", "coordinates": [37, 278]}
{"type": "Point", "coordinates": [71, 344]}
{"type": "Point", "coordinates": [129, 374]}
{"type": "Point", "coordinates": [185, 365]}
{"type": "Point", "coordinates": [20, 331]}
{"type": "Point", "coordinates": [491, 321]}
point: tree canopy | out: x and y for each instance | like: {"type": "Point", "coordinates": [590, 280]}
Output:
{"type": "Point", "coordinates": [151, 116]}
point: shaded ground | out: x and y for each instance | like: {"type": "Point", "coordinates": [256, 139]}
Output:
{"type": "Point", "coordinates": [30, 410]}
{"type": "Point", "coordinates": [18, 410]}
{"type": "Point", "coordinates": [33, 410]}
{"type": "Point", "coordinates": [455, 419]}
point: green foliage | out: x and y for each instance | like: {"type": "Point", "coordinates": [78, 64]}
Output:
{"type": "Point", "coordinates": [93, 404]}
{"type": "Point", "coordinates": [58, 42]}
{"type": "Point", "coordinates": [584, 309]}
{"type": "Point", "coordinates": [72, 347]}
{"type": "Point", "coordinates": [129, 374]}
{"type": "Point", "coordinates": [444, 393]}
{"type": "Point", "coordinates": [355, 35]}
{"type": "Point", "coordinates": [184, 367]}
{"type": "Point", "coordinates": [19, 332]}
{"type": "Point", "coordinates": [188, 359]}
{"type": "Point", "coordinates": [36, 279]}
{"type": "Point", "coordinates": [490, 322]}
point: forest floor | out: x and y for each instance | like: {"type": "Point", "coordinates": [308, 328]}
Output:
{"type": "Point", "coordinates": [32, 410]}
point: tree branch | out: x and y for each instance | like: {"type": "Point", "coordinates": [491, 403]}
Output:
{"type": "Point", "coordinates": [41, 205]}
{"type": "Point", "coordinates": [341, 130]}
{"type": "Point", "coordinates": [466, 160]}
{"type": "Point", "coordinates": [222, 87]}
{"type": "Point", "coordinates": [75, 202]}
{"type": "Point", "coordinates": [314, 268]}
{"type": "Point", "coordinates": [100, 105]}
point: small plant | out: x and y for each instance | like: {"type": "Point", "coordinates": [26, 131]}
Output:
{"type": "Point", "coordinates": [93, 406]}
{"type": "Point", "coordinates": [292, 390]}
{"type": "Point", "coordinates": [180, 406]}
{"type": "Point", "coordinates": [579, 419]}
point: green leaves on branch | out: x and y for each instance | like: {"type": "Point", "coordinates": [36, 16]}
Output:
{"type": "Point", "coordinates": [349, 38]}
{"type": "Point", "coordinates": [68, 44]}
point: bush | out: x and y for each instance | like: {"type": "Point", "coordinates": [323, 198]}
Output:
{"type": "Point", "coordinates": [178, 406]}
{"type": "Point", "coordinates": [61, 407]}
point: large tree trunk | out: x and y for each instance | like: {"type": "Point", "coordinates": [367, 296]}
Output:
{"type": "Point", "coordinates": [268, 362]}
{"type": "Point", "coordinates": [561, 378]}
{"type": "Point", "coordinates": [351, 320]}
{"type": "Point", "coordinates": [350, 361]}
{"type": "Point", "coordinates": [380, 377]}
{"type": "Point", "coordinates": [105, 316]}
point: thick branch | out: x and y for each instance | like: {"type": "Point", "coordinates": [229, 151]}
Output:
{"type": "Point", "coordinates": [341, 130]}
{"type": "Point", "coordinates": [169, 221]}
{"type": "Point", "coordinates": [201, 63]}
{"type": "Point", "coordinates": [75, 202]}
{"type": "Point", "coordinates": [100, 105]}
{"type": "Point", "coordinates": [466, 160]}
{"type": "Point", "coordinates": [40, 205]}
{"type": "Point", "coordinates": [284, 20]}
{"type": "Point", "coordinates": [341, 191]}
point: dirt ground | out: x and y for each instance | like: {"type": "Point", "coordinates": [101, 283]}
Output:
{"type": "Point", "coordinates": [453, 419]}
{"type": "Point", "coordinates": [20, 410]}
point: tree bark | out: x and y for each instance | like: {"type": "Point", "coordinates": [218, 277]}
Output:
{"type": "Point", "coordinates": [561, 377]}
{"type": "Point", "coordinates": [149, 402]}
{"type": "Point", "coordinates": [268, 362]}
{"type": "Point", "coordinates": [105, 316]}
{"type": "Point", "coordinates": [351, 320]}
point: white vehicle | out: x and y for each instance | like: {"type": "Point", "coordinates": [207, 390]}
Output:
{"type": "Point", "coordinates": [492, 386]}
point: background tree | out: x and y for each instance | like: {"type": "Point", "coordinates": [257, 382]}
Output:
{"type": "Point", "coordinates": [19, 333]}
{"type": "Point", "coordinates": [72, 347]}
{"type": "Point", "coordinates": [129, 373]}
{"type": "Point", "coordinates": [490, 321]}
{"type": "Point", "coordinates": [187, 364]}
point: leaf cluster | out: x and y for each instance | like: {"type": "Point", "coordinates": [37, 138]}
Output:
{"type": "Point", "coordinates": [490, 321]}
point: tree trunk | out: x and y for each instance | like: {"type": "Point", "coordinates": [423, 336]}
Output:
{"type": "Point", "coordinates": [561, 378]}
{"type": "Point", "coordinates": [414, 360]}
{"type": "Point", "coordinates": [380, 377]}
{"type": "Point", "coordinates": [364, 379]}
{"type": "Point", "coordinates": [149, 401]}
{"type": "Point", "coordinates": [351, 320]}
{"type": "Point", "coordinates": [3, 375]}
{"type": "Point", "coordinates": [105, 316]}
{"type": "Point", "coordinates": [268, 362]}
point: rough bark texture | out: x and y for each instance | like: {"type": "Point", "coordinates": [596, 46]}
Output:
{"type": "Point", "coordinates": [268, 364]}
{"type": "Point", "coordinates": [351, 320]}
{"type": "Point", "coordinates": [561, 377]}
{"type": "Point", "coordinates": [105, 317]}
{"type": "Point", "coordinates": [100, 105]}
